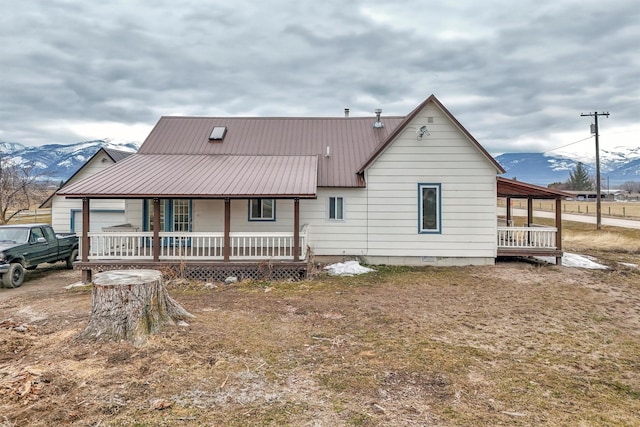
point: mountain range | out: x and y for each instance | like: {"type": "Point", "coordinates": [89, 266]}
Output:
{"type": "Point", "coordinates": [58, 162]}
{"type": "Point", "coordinates": [616, 167]}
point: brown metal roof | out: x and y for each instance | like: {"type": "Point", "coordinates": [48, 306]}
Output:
{"type": "Point", "coordinates": [255, 156]}
{"type": "Point", "coordinates": [117, 155]}
{"type": "Point", "coordinates": [202, 175]}
{"type": "Point", "coordinates": [512, 188]}
{"type": "Point", "coordinates": [350, 140]}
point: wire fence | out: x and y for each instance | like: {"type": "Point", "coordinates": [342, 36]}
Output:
{"type": "Point", "coordinates": [31, 216]}
{"type": "Point", "coordinates": [611, 209]}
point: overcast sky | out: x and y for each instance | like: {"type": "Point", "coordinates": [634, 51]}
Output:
{"type": "Point", "coordinates": [516, 74]}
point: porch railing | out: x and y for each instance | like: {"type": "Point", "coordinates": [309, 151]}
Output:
{"type": "Point", "coordinates": [195, 245]}
{"type": "Point", "coordinates": [527, 237]}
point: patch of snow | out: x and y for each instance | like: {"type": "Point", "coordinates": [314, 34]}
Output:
{"type": "Point", "coordinates": [76, 285]}
{"type": "Point", "coordinates": [628, 264]}
{"type": "Point", "coordinates": [19, 160]}
{"type": "Point", "coordinates": [576, 261]}
{"type": "Point", "coordinates": [349, 268]}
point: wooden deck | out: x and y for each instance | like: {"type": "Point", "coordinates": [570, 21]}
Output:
{"type": "Point", "coordinates": [194, 246]}
{"type": "Point", "coordinates": [258, 256]}
{"type": "Point", "coordinates": [216, 271]}
{"type": "Point", "coordinates": [199, 255]}
{"type": "Point", "coordinates": [528, 242]}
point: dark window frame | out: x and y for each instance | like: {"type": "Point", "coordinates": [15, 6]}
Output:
{"type": "Point", "coordinates": [260, 217]}
{"type": "Point", "coordinates": [434, 225]}
{"type": "Point", "coordinates": [333, 210]}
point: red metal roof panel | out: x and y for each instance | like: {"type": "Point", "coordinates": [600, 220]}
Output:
{"type": "Point", "coordinates": [351, 140]}
{"type": "Point", "coordinates": [202, 175]}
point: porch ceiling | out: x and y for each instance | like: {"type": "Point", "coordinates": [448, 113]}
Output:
{"type": "Point", "coordinates": [512, 188]}
{"type": "Point", "coordinates": [202, 176]}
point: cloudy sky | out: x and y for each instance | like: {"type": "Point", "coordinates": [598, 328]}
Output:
{"type": "Point", "coordinates": [517, 74]}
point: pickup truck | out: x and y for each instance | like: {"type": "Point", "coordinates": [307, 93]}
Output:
{"type": "Point", "coordinates": [24, 246]}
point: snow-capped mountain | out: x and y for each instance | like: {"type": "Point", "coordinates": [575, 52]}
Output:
{"type": "Point", "coordinates": [56, 161]}
{"type": "Point", "coordinates": [617, 166]}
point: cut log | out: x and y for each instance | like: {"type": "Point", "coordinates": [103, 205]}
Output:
{"type": "Point", "coordinates": [130, 305]}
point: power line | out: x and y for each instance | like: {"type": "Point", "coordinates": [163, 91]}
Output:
{"type": "Point", "coordinates": [566, 145]}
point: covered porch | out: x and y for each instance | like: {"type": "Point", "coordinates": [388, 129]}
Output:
{"type": "Point", "coordinates": [206, 253]}
{"type": "Point", "coordinates": [531, 239]}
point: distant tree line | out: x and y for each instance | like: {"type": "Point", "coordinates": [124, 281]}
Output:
{"type": "Point", "coordinates": [579, 180]}
{"type": "Point", "coordinates": [631, 187]}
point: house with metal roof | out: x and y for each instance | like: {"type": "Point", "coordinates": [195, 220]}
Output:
{"type": "Point", "coordinates": [66, 214]}
{"type": "Point", "coordinates": [249, 196]}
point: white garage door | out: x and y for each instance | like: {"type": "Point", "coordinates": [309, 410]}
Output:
{"type": "Point", "coordinates": [97, 220]}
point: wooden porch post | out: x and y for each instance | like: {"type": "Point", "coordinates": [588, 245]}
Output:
{"type": "Point", "coordinates": [529, 217]}
{"type": "Point", "coordinates": [156, 229]}
{"type": "Point", "coordinates": [226, 245]}
{"type": "Point", "coordinates": [296, 229]}
{"type": "Point", "coordinates": [86, 273]}
{"type": "Point", "coordinates": [508, 211]}
{"type": "Point", "coordinates": [559, 227]}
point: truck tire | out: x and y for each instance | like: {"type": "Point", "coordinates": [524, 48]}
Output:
{"type": "Point", "coordinates": [14, 277]}
{"type": "Point", "coordinates": [72, 258]}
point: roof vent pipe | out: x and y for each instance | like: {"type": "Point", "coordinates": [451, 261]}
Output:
{"type": "Point", "coordinates": [378, 123]}
{"type": "Point", "coordinates": [346, 112]}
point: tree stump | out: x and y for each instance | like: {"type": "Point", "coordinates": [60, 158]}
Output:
{"type": "Point", "coordinates": [130, 305]}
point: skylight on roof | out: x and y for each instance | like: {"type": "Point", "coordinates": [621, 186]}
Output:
{"type": "Point", "coordinates": [218, 132]}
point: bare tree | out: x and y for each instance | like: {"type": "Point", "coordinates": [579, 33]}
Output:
{"type": "Point", "coordinates": [631, 187]}
{"type": "Point", "coordinates": [16, 188]}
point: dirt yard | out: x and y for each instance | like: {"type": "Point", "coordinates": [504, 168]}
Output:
{"type": "Point", "coordinates": [512, 344]}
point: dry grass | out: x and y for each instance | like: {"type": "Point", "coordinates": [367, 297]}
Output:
{"type": "Point", "coordinates": [511, 344]}
{"type": "Point", "coordinates": [580, 237]}
{"type": "Point", "coordinates": [36, 215]}
{"type": "Point", "coordinates": [603, 241]}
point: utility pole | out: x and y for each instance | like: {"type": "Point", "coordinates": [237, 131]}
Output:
{"type": "Point", "coordinates": [594, 130]}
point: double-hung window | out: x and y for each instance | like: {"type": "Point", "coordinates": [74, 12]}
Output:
{"type": "Point", "coordinates": [429, 208]}
{"type": "Point", "coordinates": [336, 209]}
{"type": "Point", "coordinates": [262, 210]}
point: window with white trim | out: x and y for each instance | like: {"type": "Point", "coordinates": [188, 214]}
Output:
{"type": "Point", "coordinates": [336, 209]}
{"type": "Point", "coordinates": [429, 208]}
{"type": "Point", "coordinates": [175, 215]}
{"type": "Point", "coordinates": [262, 210]}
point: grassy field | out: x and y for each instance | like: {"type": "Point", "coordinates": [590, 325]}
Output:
{"type": "Point", "coordinates": [31, 216]}
{"type": "Point", "coordinates": [629, 210]}
{"type": "Point", "coordinates": [517, 343]}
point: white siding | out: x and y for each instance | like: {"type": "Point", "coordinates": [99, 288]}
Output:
{"type": "Point", "coordinates": [62, 209]}
{"type": "Point", "coordinates": [336, 238]}
{"type": "Point", "coordinates": [134, 212]}
{"type": "Point", "coordinates": [468, 194]}
{"type": "Point", "coordinates": [326, 237]}
{"type": "Point", "coordinates": [381, 220]}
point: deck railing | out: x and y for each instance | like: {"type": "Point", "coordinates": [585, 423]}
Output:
{"type": "Point", "coordinates": [195, 245]}
{"type": "Point", "coordinates": [527, 237]}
